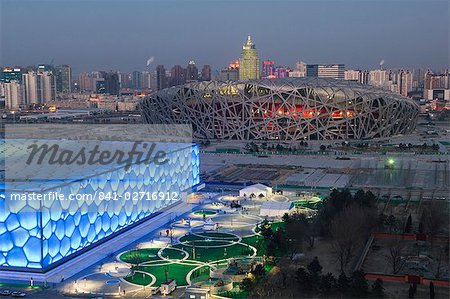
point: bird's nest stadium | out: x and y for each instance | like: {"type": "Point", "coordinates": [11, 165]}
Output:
{"type": "Point", "coordinates": [283, 109]}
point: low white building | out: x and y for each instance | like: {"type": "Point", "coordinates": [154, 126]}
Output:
{"type": "Point", "coordinates": [275, 208]}
{"type": "Point", "coordinates": [256, 190]}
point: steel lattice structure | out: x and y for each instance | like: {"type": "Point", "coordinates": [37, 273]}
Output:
{"type": "Point", "coordinates": [283, 109]}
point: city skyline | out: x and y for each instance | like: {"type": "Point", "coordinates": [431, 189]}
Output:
{"type": "Point", "coordinates": [392, 31]}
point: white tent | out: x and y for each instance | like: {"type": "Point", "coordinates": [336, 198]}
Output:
{"type": "Point", "coordinates": [209, 225]}
{"type": "Point", "coordinates": [256, 190]}
{"type": "Point", "coordinates": [275, 208]}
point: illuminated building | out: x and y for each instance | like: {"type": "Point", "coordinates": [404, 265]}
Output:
{"type": "Point", "coordinates": [38, 235]}
{"type": "Point", "coordinates": [206, 73]}
{"type": "Point", "coordinates": [249, 61]}
{"type": "Point", "coordinates": [283, 109]}
{"type": "Point", "coordinates": [191, 71]}
{"type": "Point", "coordinates": [333, 71]}
{"type": "Point", "coordinates": [11, 74]}
{"type": "Point", "coordinates": [63, 78]}
{"type": "Point", "coordinates": [268, 69]}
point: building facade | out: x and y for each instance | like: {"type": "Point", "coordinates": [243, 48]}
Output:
{"type": "Point", "coordinates": [249, 61]}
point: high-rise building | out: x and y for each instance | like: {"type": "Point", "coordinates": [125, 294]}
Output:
{"type": "Point", "coordinates": [125, 80]}
{"type": "Point", "coordinates": [249, 61]}
{"type": "Point", "coordinates": [379, 78]}
{"type": "Point", "coordinates": [357, 76]}
{"type": "Point", "coordinates": [405, 82]}
{"type": "Point", "coordinates": [268, 69]}
{"type": "Point", "coordinates": [146, 80]}
{"type": "Point", "coordinates": [11, 74]}
{"type": "Point", "coordinates": [299, 71]}
{"type": "Point", "coordinates": [112, 84]}
{"type": "Point", "coordinates": [177, 75]}
{"type": "Point", "coordinates": [161, 81]}
{"type": "Point", "coordinates": [30, 90]}
{"type": "Point", "coordinates": [281, 72]}
{"type": "Point", "coordinates": [63, 78]}
{"type": "Point", "coordinates": [13, 95]}
{"type": "Point", "coordinates": [335, 71]}
{"type": "Point", "coordinates": [86, 82]}
{"type": "Point", "coordinates": [136, 80]}
{"type": "Point", "coordinates": [46, 86]}
{"type": "Point", "coordinates": [206, 73]}
{"type": "Point", "coordinates": [191, 71]}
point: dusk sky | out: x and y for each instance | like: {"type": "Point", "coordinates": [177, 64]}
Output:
{"type": "Point", "coordinates": [122, 35]}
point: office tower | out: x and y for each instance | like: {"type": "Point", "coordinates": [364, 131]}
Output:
{"type": "Point", "coordinates": [352, 75]}
{"type": "Point", "coordinates": [206, 73]}
{"type": "Point", "coordinates": [268, 69]}
{"type": "Point", "coordinates": [177, 75]}
{"type": "Point", "coordinates": [230, 73]}
{"type": "Point", "coordinates": [405, 82]}
{"type": "Point", "coordinates": [379, 78]}
{"type": "Point", "coordinates": [63, 78]}
{"type": "Point", "coordinates": [136, 80]}
{"type": "Point", "coordinates": [191, 71]}
{"type": "Point", "coordinates": [161, 81]}
{"type": "Point", "coordinates": [334, 71]}
{"type": "Point", "coordinates": [86, 82]}
{"type": "Point", "coordinates": [125, 80]}
{"type": "Point", "coordinates": [281, 72]}
{"type": "Point", "coordinates": [11, 74]}
{"type": "Point", "coordinates": [30, 90]}
{"type": "Point", "coordinates": [112, 85]}
{"type": "Point", "coordinates": [46, 86]}
{"type": "Point", "coordinates": [13, 95]}
{"type": "Point", "coordinates": [249, 61]}
{"type": "Point", "coordinates": [146, 80]}
{"type": "Point", "coordinates": [299, 71]}
{"type": "Point", "coordinates": [100, 85]}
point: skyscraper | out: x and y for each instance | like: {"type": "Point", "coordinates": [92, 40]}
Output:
{"type": "Point", "coordinates": [29, 92]}
{"type": "Point", "coordinates": [46, 86]}
{"type": "Point", "coordinates": [160, 77]}
{"type": "Point", "coordinates": [206, 73]}
{"type": "Point", "coordinates": [249, 61]}
{"type": "Point", "coordinates": [191, 71]}
{"type": "Point", "coordinates": [136, 80]}
{"type": "Point", "coordinates": [63, 78]}
{"type": "Point", "coordinates": [177, 75]}
{"type": "Point", "coordinates": [13, 95]}
{"type": "Point", "coordinates": [11, 74]}
{"type": "Point", "coordinates": [335, 71]}
{"type": "Point", "coordinates": [112, 84]}
{"type": "Point", "coordinates": [268, 69]}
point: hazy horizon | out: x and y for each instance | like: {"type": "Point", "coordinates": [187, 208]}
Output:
{"type": "Point", "coordinates": [122, 35]}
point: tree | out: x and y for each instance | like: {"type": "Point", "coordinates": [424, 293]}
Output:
{"type": "Point", "coordinates": [327, 283]}
{"type": "Point", "coordinates": [435, 217]}
{"type": "Point", "coordinates": [314, 268]}
{"type": "Point", "coordinates": [348, 230]}
{"type": "Point", "coordinates": [408, 225]}
{"type": "Point", "coordinates": [304, 279]}
{"type": "Point", "coordinates": [395, 256]}
{"type": "Point", "coordinates": [259, 271]}
{"type": "Point", "coordinates": [378, 289]}
{"type": "Point", "coordinates": [343, 283]}
{"type": "Point", "coordinates": [359, 286]}
{"type": "Point", "coordinates": [432, 294]}
{"type": "Point", "coordinates": [246, 284]}
{"type": "Point", "coordinates": [134, 258]}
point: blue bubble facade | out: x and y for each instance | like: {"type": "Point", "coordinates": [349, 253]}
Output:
{"type": "Point", "coordinates": [40, 234]}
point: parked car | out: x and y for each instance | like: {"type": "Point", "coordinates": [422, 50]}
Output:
{"type": "Point", "coordinates": [5, 292]}
{"type": "Point", "coordinates": [18, 294]}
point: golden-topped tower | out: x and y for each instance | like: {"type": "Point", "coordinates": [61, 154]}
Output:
{"type": "Point", "coordinates": [249, 61]}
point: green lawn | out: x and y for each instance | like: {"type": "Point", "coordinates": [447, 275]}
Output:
{"type": "Point", "coordinates": [205, 213]}
{"type": "Point", "coordinates": [140, 255]}
{"type": "Point", "coordinates": [175, 271]}
{"type": "Point", "coordinates": [139, 278]}
{"type": "Point", "coordinates": [212, 254]}
{"type": "Point", "coordinates": [173, 254]}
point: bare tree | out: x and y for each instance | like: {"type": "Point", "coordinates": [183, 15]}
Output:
{"type": "Point", "coordinates": [435, 217]}
{"type": "Point", "coordinates": [396, 255]}
{"type": "Point", "coordinates": [349, 229]}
